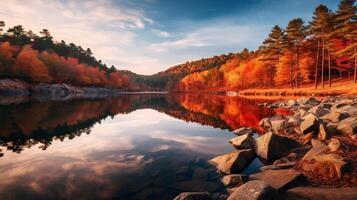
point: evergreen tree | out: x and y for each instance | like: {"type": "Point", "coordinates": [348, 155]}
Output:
{"type": "Point", "coordinates": [346, 28]}
{"type": "Point", "coordinates": [320, 28]}
{"type": "Point", "coordinates": [295, 35]}
{"type": "Point", "coordinates": [272, 47]}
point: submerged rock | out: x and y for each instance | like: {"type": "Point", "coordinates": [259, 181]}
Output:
{"type": "Point", "coordinates": [234, 162]}
{"type": "Point", "coordinates": [254, 190]}
{"type": "Point", "coordinates": [243, 142]}
{"type": "Point", "coordinates": [271, 146]}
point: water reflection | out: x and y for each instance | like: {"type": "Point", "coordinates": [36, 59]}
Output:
{"type": "Point", "coordinates": [130, 147]}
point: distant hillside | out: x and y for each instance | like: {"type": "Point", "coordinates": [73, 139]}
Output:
{"type": "Point", "coordinates": [169, 78]}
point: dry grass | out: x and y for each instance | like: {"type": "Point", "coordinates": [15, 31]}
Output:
{"type": "Point", "coordinates": [337, 88]}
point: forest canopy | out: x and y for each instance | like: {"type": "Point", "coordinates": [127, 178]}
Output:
{"type": "Point", "coordinates": [39, 59]}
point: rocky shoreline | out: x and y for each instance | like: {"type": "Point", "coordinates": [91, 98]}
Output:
{"type": "Point", "coordinates": [13, 90]}
{"type": "Point", "coordinates": [309, 153]}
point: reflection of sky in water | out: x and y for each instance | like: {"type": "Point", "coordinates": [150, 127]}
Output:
{"type": "Point", "coordinates": [133, 156]}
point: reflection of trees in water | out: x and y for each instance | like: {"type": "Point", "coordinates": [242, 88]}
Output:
{"type": "Point", "coordinates": [32, 123]}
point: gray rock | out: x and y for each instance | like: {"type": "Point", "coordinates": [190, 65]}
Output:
{"type": "Point", "coordinates": [254, 190]}
{"type": "Point", "coordinates": [318, 147]}
{"type": "Point", "coordinates": [271, 146]}
{"type": "Point", "coordinates": [278, 125]}
{"type": "Point", "coordinates": [243, 131]}
{"type": "Point", "coordinates": [335, 116]}
{"type": "Point", "coordinates": [295, 120]}
{"type": "Point", "coordinates": [310, 124]}
{"type": "Point", "coordinates": [278, 179]}
{"type": "Point", "coordinates": [348, 126]}
{"type": "Point", "coordinates": [319, 111]}
{"type": "Point", "coordinates": [234, 162]}
{"type": "Point", "coordinates": [243, 142]}
{"type": "Point", "coordinates": [265, 123]}
{"type": "Point", "coordinates": [234, 179]}
{"type": "Point", "coordinates": [307, 101]}
{"type": "Point", "coordinates": [351, 110]}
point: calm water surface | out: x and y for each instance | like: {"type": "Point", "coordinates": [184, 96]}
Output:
{"type": "Point", "coordinates": [129, 147]}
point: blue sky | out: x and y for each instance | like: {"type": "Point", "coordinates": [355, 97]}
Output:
{"type": "Point", "coordinates": [147, 36]}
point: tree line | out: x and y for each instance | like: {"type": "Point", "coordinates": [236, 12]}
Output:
{"type": "Point", "coordinates": [39, 59]}
{"type": "Point", "coordinates": [317, 52]}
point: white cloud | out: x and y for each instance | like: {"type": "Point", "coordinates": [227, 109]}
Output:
{"type": "Point", "coordinates": [160, 33]}
{"type": "Point", "coordinates": [100, 25]}
{"type": "Point", "coordinates": [213, 35]}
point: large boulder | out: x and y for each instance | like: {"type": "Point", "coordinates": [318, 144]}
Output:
{"type": "Point", "coordinates": [254, 190]}
{"type": "Point", "coordinates": [348, 126]}
{"type": "Point", "coordinates": [318, 193]}
{"type": "Point", "coordinates": [234, 179]}
{"type": "Point", "coordinates": [234, 162]}
{"type": "Point", "coordinates": [243, 142]}
{"type": "Point", "coordinates": [318, 147]}
{"type": "Point", "coordinates": [243, 131]}
{"type": "Point", "coordinates": [265, 123]}
{"type": "Point", "coordinates": [271, 146]}
{"type": "Point", "coordinates": [278, 125]}
{"type": "Point", "coordinates": [335, 116]}
{"type": "Point", "coordinates": [310, 124]}
{"type": "Point", "coordinates": [319, 111]}
{"type": "Point", "coordinates": [279, 179]}
{"type": "Point", "coordinates": [351, 110]}
{"type": "Point", "coordinates": [307, 102]}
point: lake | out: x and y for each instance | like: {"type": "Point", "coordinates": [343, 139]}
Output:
{"type": "Point", "coordinates": [138, 146]}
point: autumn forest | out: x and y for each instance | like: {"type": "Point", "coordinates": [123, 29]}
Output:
{"type": "Point", "coordinates": [319, 52]}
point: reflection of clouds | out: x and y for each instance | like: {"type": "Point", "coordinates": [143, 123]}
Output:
{"type": "Point", "coordinates": [75, 175]}
{"type": "Point", "coordinates": [115, 155]}
{"type": "Point", "coordinates": [201, 144]}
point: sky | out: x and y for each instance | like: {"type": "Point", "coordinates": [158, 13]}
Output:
{"type": "Point", "coordinates": [148, 36]}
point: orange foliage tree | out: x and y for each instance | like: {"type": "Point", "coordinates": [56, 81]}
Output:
{"type": "Point", "coordinates": [29, 67]}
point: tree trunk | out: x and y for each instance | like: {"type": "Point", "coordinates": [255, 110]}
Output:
{"type": "Point", "coordinates": [329, 67]}
{"type": "Point", "coordinates": [322, 63]}
{"type": "Point", "coordinates": [297, 66]}
{"type": "Point", "coordinates": [271, 75]}
{"type": "Point", "coordinates": [355, 67]}
{"type": "Point", "coordinates": [317, 62]}
{"type": "Point", "coordinates": [291, 72]}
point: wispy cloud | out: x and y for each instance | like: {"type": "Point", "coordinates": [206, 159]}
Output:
{"type": "Point", "coordinates": [213, 35]}
{"type": "Point", "coordinates": [160, 33]}
{"type": "Point", "coordinates": [100, 25]}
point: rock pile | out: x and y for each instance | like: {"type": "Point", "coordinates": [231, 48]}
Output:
{"type": "Point", "coordinates": [315, 139]}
